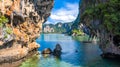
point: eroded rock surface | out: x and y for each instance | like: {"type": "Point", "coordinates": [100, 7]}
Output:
{"type": "Point", "coordinates": [25, 19]}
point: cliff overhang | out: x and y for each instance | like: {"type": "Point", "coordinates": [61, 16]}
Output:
{"type": "Point", "coordinates": [25, 19]}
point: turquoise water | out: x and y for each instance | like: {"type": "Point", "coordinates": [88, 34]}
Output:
{"type": "Point", "coordinates": [87, 55]}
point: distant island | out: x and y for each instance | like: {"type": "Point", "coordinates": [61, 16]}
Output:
{"type": "Point", "coordinates": [62, 28]}
{"type": "Point", "coordinates": [57, 28]}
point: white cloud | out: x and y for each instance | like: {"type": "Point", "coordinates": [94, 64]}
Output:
{"type": "Point", "coordinates": [48, 22]}
{"type": "Point", "coordinates": [67, 13]}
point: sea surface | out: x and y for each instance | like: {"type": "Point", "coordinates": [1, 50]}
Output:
{"type": "Point", "coordinates": [74, 53]}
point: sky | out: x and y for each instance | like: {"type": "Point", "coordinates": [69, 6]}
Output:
{"type": "Point", "coordinates": [63, 11]}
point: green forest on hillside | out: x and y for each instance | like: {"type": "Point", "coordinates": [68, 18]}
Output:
{"type": "Point", "coordinates": [108, 13]}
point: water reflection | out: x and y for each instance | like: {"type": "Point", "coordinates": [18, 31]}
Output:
{"type": "Point", "coordinates": [46, 55]}
{"type": "Point", "coordinates": [54, 37]}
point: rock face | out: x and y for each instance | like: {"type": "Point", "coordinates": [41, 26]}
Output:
{"type": "Point", "coordinates": [48, 29]}
{"type": "Point", "coordinates": [25, 20]}
{"type": "Point", "coordinates": [109, 42]}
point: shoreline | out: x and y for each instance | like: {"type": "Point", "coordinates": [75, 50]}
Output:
{"type": "Point", "coordinates": [110, 56]}
{"type": "Point", "coordinates": [14, 56]}
{"type": "Point", "coordinates": [17, 63]}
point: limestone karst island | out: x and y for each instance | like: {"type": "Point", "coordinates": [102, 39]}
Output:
{"type": "Point", "coordinates": [59, 33]}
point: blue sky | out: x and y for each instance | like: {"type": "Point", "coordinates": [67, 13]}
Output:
{"type": "Point", "coordinates": [63, 11]}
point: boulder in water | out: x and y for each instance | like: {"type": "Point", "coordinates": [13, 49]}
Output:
{"type": "Point", "coordinates": [47, 51]}
{"type": "Point", "coordinates": [57, 51]}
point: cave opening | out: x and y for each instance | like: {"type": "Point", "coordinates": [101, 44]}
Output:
{"type": "Point", "coordinates": [116, 40]}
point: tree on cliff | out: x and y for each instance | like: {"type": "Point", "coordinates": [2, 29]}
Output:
{"type": "Point", "coordinates": [103, 21]}
{"type": "Point", "coordinates": [107, 13]}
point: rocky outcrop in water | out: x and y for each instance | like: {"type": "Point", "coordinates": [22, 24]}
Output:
{"type": "Point", "coordinates": [25, 19]}
{"type": "Point", "coordinates": [91, 14]}
{"type": "Point", "coordinates": [57, 51]}
{"type": "Point", "coordinates": [47, 51]}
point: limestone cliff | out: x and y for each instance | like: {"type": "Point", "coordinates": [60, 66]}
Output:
{"type": "Point", "coordinates": [109, 40]}
{"type": "Point", "coordinates": [25, 18]}
{"type": "Point", "coordinates": [25, 22]}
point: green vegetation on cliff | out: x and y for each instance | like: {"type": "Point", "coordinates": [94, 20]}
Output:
{"type": "Point", "coordinates": [3, 20]}
{"type": "Point", "coordinates": [3, 27]}
{"type": "Point", "coordinates": [108, 13]}
{"type": "Point", "coordinates": [78, 32]}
